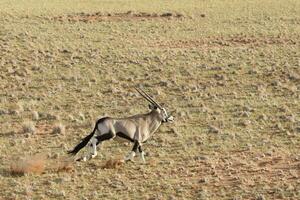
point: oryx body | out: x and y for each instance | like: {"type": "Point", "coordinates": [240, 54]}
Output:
{"type": "Point", "coordinates": [136, 129]}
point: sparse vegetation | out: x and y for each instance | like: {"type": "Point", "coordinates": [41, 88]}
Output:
{"type": "Point", "coordinates": [228, 69]}
{"type": "Point", "coordinates": [29, 127]}
{"type": "Point", "coordinates": [59, 128]}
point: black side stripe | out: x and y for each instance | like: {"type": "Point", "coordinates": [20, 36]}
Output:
{"type": "Point", "coordinates": [122, 135]}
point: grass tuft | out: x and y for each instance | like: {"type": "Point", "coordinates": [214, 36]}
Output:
{"type": "Point", "coordinates": [28, 127]}
{"type": "Point", "coordinates": [59, 129]}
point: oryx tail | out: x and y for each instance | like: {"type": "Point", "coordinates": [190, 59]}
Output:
{"type": "Point", "coordinates": [85, 140]}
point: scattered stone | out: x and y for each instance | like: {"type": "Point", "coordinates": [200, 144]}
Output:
{"type": "Point", "coordinates": [220, 77]}
{"type": "Point", "coordinates": [252, 71]}
{"type": "Point", "coordinates": [288, 118]}
{"type": "Point", "coordinates": [35, 115]}
{"type": "Point", "coordinates": [276, 83]}
{"type": "Point", "coordinates": [213, 129]}
{"type": "Point", "coordinates": [200, 158]}
{"type": "Point", "coordinates": [3, 112]}
{"type": "Point", "coordinates": [248, 109]}
{"type": "Point", "coordinates": [164, 84]}
{"type": "Point", "coordinates": [244, 114]}
{"type": "Point", "coordinates": [263, 117]}
{"type": "Point", "coordinates": [294, 77]}
{"type": "Point", "coordinates": [279, 126]}
{"type": "Point", "coordinates": [203, 180]}
{"type": "Point", "coordinates": [245, 123]}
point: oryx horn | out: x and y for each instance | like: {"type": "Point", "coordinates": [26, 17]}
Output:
{"type": "Point", "coordinates": [147, 97]}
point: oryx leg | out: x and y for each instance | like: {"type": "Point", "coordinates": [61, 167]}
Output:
{"type": "Point", "coordinates": [96, 141]}
{"type": "Point", "coordinates": [133, 152]}
{"type": "Point", "coordinates": [91, 152]}
{"type": "Point", "coordinates": [142, 154]}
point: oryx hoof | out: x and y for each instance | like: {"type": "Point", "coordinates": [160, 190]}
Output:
{"type": "Point", "coordinates": [130, 157]}
{"type": "Point", "coordinates": [129, 160]}
{"type": "Point", "coordinates": [142, 156]}
{"type": "Point", "coordinates": [78, 159]}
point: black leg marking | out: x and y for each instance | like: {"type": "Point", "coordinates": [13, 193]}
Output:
{"type": "Point", "coordinates": [135, 146]}
{"type": "Point", "coordinates": [103, 137]}
{"type": "Point", "coordinates": [140, 149]}
{"type": "Point", "coordinates": [122, 135]}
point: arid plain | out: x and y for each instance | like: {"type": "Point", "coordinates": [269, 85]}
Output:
{"type": "Point", "coordinates": [229, 70]}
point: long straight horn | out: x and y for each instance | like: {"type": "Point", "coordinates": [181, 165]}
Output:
{"type": "Point", "coordinates": [147, 97]}
{"type": "Point", "coordinates": [152, 99]}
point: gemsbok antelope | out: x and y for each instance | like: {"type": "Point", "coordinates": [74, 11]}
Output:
{"type": "Point", "coordinates": [137, 129]}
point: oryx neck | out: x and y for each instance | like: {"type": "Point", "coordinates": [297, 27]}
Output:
{"type": "Point", "coordinates": [154, 121]}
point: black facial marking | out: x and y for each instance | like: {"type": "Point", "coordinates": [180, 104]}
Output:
{"type": "Point", "coordinates": [122, 135]}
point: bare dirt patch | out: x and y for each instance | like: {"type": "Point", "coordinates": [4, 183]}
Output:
{"type": "Point", "coordinates": [126, 16]}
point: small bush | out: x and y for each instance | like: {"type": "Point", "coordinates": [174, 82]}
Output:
{"type": "Point", "coordinates": [28, 127]}
{"type": "Point", "coordinates": [58, 129]}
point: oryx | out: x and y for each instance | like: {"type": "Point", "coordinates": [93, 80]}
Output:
{"type": "Point", "coordinates": [137, 129]}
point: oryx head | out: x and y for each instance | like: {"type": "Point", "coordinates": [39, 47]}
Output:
{"type": "Point", "coordinates": [162, 112]}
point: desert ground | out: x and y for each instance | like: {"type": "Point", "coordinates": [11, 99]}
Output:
{"type": "Point", "coordinates": [228, 70]}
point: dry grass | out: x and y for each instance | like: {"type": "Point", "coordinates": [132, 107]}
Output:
{"type": "Point", "coordinates": [30, 164]}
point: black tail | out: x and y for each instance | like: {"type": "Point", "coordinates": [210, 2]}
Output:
{"type": "Point", "coordinates": [85, 140]}
{"type": "Point", "coordinates": [82, 144]}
